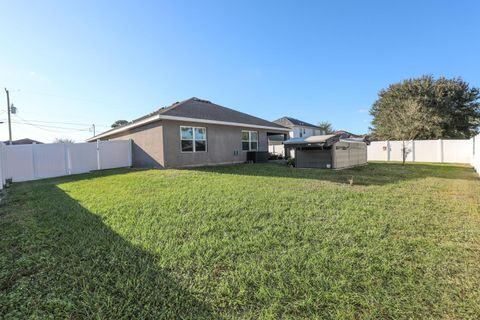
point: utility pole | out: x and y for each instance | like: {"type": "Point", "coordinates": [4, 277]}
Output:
{"type": "Point", "coordinates": [93, 128]}
{"type": "Point", "coordinates": [9, 122]}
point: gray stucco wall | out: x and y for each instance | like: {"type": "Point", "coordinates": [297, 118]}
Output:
{"type": "Point", "coordinates": [147, 145]}
{"type": "Point", "coordinates": [224, 145]}
{"type": "Point", "coordinates": [158, 145]}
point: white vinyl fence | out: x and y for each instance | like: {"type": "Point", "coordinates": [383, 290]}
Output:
{"type": "Point", "coordinates": [38, 161]}
{"type": "Point", "coordinates": [443, 151]}
{"type": "Point", "coordinates": [476, 155]}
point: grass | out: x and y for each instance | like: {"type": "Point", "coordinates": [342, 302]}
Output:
{"type": "Point", "coordinates": [244, 242]}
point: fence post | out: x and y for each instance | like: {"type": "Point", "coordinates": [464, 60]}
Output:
{"type": "Point", "coordinates": [440, 149]}
{"type": "Point", "coordinates": [2, 173]}
{"type": "Point", "coordinates": [473, 151]}
{"type": "Point", "coordinates": [130, 150]}
{"type": "Point", "coordinates": [33, 160]}
{"type": "Point", "coordinates": [98, 155]}
{"type": "Point", "coordinates": [68, 165]}
{"type": "Point", "coordinates": [65, 158]}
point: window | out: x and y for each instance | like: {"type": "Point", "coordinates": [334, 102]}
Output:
{"type": "Point", "coordinates": [249, 140]}
{"type": "Point", "coordinates": [193, 139]}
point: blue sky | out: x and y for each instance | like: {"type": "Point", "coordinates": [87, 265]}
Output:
{"type": "Point", "coordinates": [69, 64]}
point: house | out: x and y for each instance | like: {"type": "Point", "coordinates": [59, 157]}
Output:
{"type": "Point", "coordinates": [23, 141]}
{"type": "Point", "coordinates": [194, 132]}
{"type": "Point", "coordinates": [298, 129]}
{"type": "Point", "coordinates": [328, 151]}
{"type": "Point", "coordinates": [346, 134]}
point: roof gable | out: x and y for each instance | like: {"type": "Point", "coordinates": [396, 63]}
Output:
{"type": "Point", "coordinates": [206, 110]}
{"type": "Point", "coordinates": [292, 122]}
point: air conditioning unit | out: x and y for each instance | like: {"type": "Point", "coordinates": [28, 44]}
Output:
{"type": "Point", "coordinates": [257, 156]}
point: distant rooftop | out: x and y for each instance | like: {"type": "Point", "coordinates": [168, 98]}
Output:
{"type": "Point", "coordinates": [290, 122]}
{"type": "Point", "coordinates": [346, 134]}
{"type": "Point", "coordinates": [24, 141]}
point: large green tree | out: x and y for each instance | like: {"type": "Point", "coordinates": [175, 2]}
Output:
{"type": "Point", "coordinates": [426, 108]}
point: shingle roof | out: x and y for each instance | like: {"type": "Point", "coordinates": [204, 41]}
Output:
{"type": "Point", "coordinates": [346, 134]}
{"type": "Point", "coordinates": [206, 110]}
{"type": "Point", "coordinates": [195, 108]}
{"type": "Point", "coordinates": [289, 121]}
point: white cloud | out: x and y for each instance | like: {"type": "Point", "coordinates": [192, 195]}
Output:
{"type": "Point", "coordinates": [363, 110]}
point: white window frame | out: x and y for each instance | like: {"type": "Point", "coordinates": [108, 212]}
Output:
{"type": "Point", "coordinates": [193, 139]}
{"type": "Point", "coordinates": [249, 140]}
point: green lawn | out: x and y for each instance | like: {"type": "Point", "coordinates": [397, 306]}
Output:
{"type": "Point", "coordinates": [244, 242]}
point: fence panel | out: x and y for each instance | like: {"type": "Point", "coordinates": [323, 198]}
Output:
{"type": "Point", "coordinates": [112, 154]}
{"type": "Point", "coordinates": [377, 151]}
{"type": "Point", "coordinates": [396, 150]}
{"type": "Point", "coordinates": [49, 160]}
{"type": "Point", "coordinates": [82, 157]}
{"type": "Point", "coordinates": [38, 161]}
{"type": "Point", "coordinates": [444, 151]}
{"type": "Point", "coordinates": [458, 151]}
{"type": "Point", "coordinates": [427, 151]}
{"type": "Point", "coordinates": [19, 162]}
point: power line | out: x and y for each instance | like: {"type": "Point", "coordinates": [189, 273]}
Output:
{"type": "Point", "coordinates": [47, 126]}
{"type": "Point", "coordinates": [63, 130]}
{"type": "Point", "coordinates": [69, 123]}
{"type": "Point", "coordinates": [43, 126]}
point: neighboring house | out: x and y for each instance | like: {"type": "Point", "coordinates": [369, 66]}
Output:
{"type": "Point", "coordinates": [298, 129]}
{"type": "Point", "coordinates": [194, 132]}
{"type": "Point", "coordinates": [345, 134]}
{"type": "Point", "coordinates": [23, 141]}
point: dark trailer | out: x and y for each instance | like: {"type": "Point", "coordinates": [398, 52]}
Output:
{"type": "Point", "coordinates": [328, 151]}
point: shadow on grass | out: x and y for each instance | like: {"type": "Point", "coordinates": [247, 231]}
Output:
{"type": "Point", "coordinates": [62, 261]}
{"type": "Point", "coordinates": [371, 174]}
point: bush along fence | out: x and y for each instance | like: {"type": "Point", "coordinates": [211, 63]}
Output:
{"type": "Point", "coordinates": [441, 151]}
{"type": "Point", "coordinates": [39, 161]}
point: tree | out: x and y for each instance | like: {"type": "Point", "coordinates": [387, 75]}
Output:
{"type": "Point", "coordinates": [326, 126]}
{"type": "Point", "coordinates": [410, 119]}
{"type": "Point", "coordinates": [426, 108]}
{"type": "Point", "coordinates": [63, 140]}
{"type": "Point", "coordinates": [119, 123]}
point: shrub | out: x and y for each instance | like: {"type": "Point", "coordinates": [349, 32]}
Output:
{"type": "Point", "coordinates": [291, 162]}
